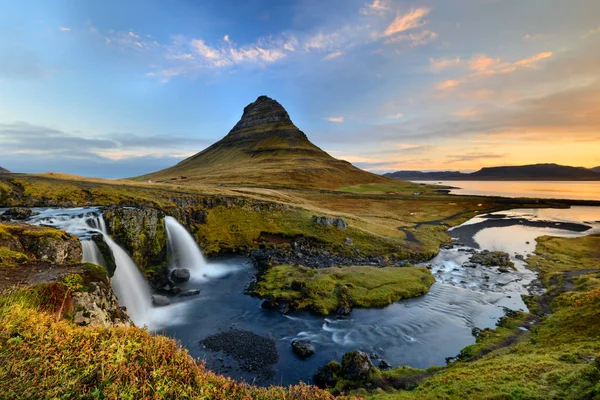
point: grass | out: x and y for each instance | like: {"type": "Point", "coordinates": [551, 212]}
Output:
{"type": "Point", "coordinates": [553, 360]}
{"type": "Point", "coordinates": [44, 356]}
{"type": "Point", "coordinates": [324, 290]}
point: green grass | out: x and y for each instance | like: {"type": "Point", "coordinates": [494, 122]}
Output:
{"type": "Point", "coordinates": [323, 290]}
{"type": "Point", "coordinates": [554, 360]}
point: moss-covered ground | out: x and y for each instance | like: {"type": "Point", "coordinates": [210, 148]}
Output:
{"type": "Point", "coordinates": [324, 290]}
{"type": "Point", "coordinates": [554, 357]}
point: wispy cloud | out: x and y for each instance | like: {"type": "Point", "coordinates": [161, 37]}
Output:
{"type": "Point", "coordinates": [395, 116]}
{"type": "Point", "coordinates": [333, 55]}
{"type": "Point", "coordinates": [440, 64]}
{"type": "Point", "coordinates": [338, 120]}
{"type": "Point", "coordinates": [64, 29]}
{"type": "Point", "coordinates": [378, 7]}
{"type": "Point", "coordinates": [404, 22]}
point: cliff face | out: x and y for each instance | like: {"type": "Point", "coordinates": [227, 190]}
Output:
{"type": "Point", "coordinates": [49, 262]}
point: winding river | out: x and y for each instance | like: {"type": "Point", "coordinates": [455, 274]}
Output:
{"type": "Point", "coordinates": [419, 332]}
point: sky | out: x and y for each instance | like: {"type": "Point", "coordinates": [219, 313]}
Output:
{"type": "Point", "coordinates": [122, 88]}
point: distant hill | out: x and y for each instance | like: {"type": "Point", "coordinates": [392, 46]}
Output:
{"type": "Point", "coordinates": [3, 170]}
{"type": "Point", "coordinates": [596, 169]}
{"type": "Point", "coordinates": [265, 148]}
{"type": "Point", "coordinates": [534, 172]}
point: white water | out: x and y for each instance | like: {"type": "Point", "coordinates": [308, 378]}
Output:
{"type": "Point", "coordinates": [130, 286]}
{"type": "Point", "coordinates": [91, 253]}
{"type": "Point", "coordinates": [183, 250]}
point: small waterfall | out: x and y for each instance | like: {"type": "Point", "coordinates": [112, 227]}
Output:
{"type": "Point", "coordinates": [183, 249]}
{"type": "Point", "coordinates": [130, 286]}
{"type": "Point", "coordinates": [91, 253]}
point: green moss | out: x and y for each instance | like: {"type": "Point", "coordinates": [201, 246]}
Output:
{"type": "Point", "coordinates": [74, 283]}
{"type": "Point", "coordinates": [9, 257]}
{"type": "Point", "coordinates": [325, 290]}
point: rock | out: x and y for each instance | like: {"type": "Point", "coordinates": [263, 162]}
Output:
{"type": "Point", "coordinates": [160, 301]}
{"type": "Point", "coordinates": [327, 375]}
{"type": "Point", "coordinates": [348, 242]}
{"type": "Point", "coordinates": [492, 259]}
{"type": "Point", "coordinates": [503, 270]}
{"type": "Point", "coordinates": [303, 348]}
{"type": "Point", "coordinates": [54, 249]}
{"type": "Point", "coordinates": [18, 213]}
{"type": "Point", "coordinates": [356, 366]}
{"type": "Point", "coordinates": [98, 307]}
{"type": "Point", "coordinates": [191, 292]}
{"type": "Point", "coordinates": [384, 365]}
{"type": "Point", "coordinates": [180, 275]}
{"type": "Point", "coordinates": [520, 257]}
{"type": "Point", "coordinates": [375, 356]}
{"type": "Point", "coordinates": [469, 265]}
{"type": "Point", "coordinates": [175, 290]}
{"type": "Point", "coordinates": [335, 222]}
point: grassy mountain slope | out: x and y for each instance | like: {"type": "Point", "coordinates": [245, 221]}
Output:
{"type": "Point", "coordinates": [265, 148]}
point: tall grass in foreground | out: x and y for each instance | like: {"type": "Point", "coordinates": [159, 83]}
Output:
{"type": "Point", "coordinates": [43, 356]}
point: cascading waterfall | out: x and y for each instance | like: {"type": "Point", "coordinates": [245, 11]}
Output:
{"type": "Point", "coordinates": [91, 253]}
{"type": "Point", "coordinates": [183, 249]}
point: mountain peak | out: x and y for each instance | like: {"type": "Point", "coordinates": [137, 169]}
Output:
{"type": "Point", "coordinates": [265, 114]}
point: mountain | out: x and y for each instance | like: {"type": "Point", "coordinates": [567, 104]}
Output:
{"type": "Point", "coordinates": [596, 169]}
{"type": "Point", "coordinates": [3, 170]}
{"type": "Point", "coordinates": [534, 172]}
{"type": "Point", "coordinates": [265, 148]}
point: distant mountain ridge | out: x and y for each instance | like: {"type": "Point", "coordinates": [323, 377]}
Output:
{"type": "Point", "coordinates": [265, 148]}
{"type": "Point", "coordinates": [3, 170]}
{"type": "Point", "coordinates": [533, 172]}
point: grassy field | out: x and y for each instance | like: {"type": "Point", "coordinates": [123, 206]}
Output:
{"type": "Point", "coordinates": [324, 290]}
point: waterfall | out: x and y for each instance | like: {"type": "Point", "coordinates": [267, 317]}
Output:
{"type": "Point", "coordinates": [91, 253]}
{"type": "Point", "coordinates": [183, 250]}
{"type": "Point", "coordinates": [130, 286]}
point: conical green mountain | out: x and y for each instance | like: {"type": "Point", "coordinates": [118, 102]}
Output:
{"type": "Point", "coordinates": [265, 148]}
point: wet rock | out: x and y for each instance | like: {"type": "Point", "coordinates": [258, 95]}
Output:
{"type": "Point", "coordinates": [191, 292]}
{"type": "Point", "coordinates": [469, 265]}
{"type": "Point", "coordinates": [384, 365]}
{"type": "Point", "coordinates": [335, 222]}
{"type": "Point", "coordinates": [175, 290]}
{"type": "Point", "coordinates": [160, 301]}
{"type": "Point", "coordinates": [356, 365]}
{"type": "Point", "coordinates": [180, 275]}
{"type": "Point", "coordinates": [375, 356]}
{"type": "Point", "coordinates": [18, 213]}
{"type": "Point", "coordinates": [303, 349]}
{"type": "Point", "coordinates": [520, 257]}
{"type": "Point", "coordinates": [503, 270]}
{"type": "Point", "coordinates": [327, 375]}
{"type": "Point", "coordinates": [492, 259]}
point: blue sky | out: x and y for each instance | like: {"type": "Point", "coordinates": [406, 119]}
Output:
{"type": "Point", "coordinates": [116, 89]}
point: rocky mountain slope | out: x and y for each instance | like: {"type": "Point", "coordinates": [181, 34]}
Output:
{"type": "Point", "coordinates": [265, 148]}
{"type": "Point", "coordinates": [3, 170]}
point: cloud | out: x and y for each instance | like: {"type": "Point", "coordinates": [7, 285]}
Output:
{"type": "Point", "coordinates": [536, 58]}
{"type": "Point", "coordinates": [333, 55]}
{"type": "Point", "coordinates": [64, 29]}
{"type": "Point", "coordinates": [468, 112]}
{"type": "Point", "coordinates": [440, 64]}
{"type": "Point", "coordinates": [482, 62]}
{"type": "Point", "coordinates": [535, 36]}
{"type": "Point", "coordinates": [395, 116]}
{"type": "Point", "coordinates": [469, 157]}
{"type": "Point", "coordinates": [415, 39]}
{"type": "Point", "coordinates": [378, 7]}
{"type": "Point", "coordinates": [412, 19]}
{"type": "Point", "coordinates": [338, 120]}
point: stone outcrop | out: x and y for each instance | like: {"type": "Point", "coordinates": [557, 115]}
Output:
{"type": "Point", "coordinates": [335, 222]}
{"type": "Point", "coordinates": [141, 231]}
{"type": "Point", "coordinates": [17, 213]}
{"type": "Point", "coordinates": [303, 348]}
{"type": "Point", "coordinates": [98, 307]}
{"type": "Point", "coordinates": [356, 365]}
{"type": "Point", "coordinates": [492, 259]}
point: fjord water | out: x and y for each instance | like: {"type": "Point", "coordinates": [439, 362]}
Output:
{"type": "Point", "coordinates": [419, 332]}
{"type": "Point", "coordinates": [575, 190]}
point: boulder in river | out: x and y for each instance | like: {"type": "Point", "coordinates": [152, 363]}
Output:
{"type": "Point", "coordinates": [191, 292]}
{"type": "Point", "coordinates": [492, 259]}
{"type": "Point", "coordinates": [356, 365]}
{"type": "Point", "coordinates": [303, 348]}
{"type": "Point", "coordinates": [160, 301]}
{"type": "Point", "coordinates": [180, 275]}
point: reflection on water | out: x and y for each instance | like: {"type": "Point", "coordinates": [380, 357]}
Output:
{"type": "Point", "coordinates": [539, 189]}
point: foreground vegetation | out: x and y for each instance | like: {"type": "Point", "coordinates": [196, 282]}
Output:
{"type": "Point", "coordinates": [326, 290]}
